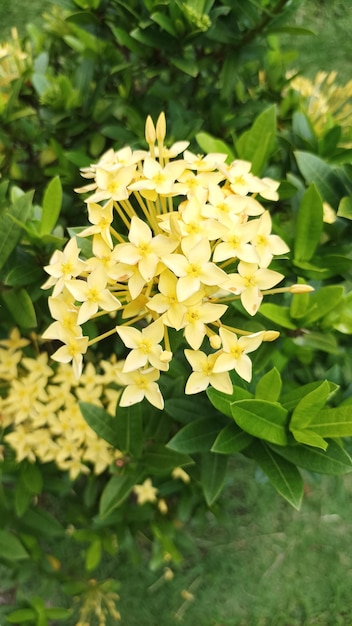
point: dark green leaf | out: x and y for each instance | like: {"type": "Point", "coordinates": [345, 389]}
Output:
{"type": "Point", "coordinates": [283, 475]}
{"type": "Point", "coordinates": [258, 143]}
{"type": "Point", "coordinates": [116, 491]}
{"type": "Point", "coordinates": [129, 429]}
{"type": "Point", "coordinates": [213, 474]}
{"type": "Point", "coordinates": [9, 229]}
{"type": "Point", "coordinates": [231, 440]}
{"type": "Point", "coordinates": [101, 422]}
{"type": "Point", "coordinates": [334, 460]}
{"type": "Point", "coordinates": [21, 307]}
{"type": "Point", "coordinates": [198, 436]}
{"type": "Point", "coordinates": [11, 548]}
{"type": "Point", "coordinates": [316, 171]}
{"type": "Point", "coordinates": [162, 460]}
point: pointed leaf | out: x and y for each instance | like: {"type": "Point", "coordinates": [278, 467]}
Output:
{"type": "Point", "coordinates": [309, 437]}
{"type": "Point", "coordinates": [262, 419]}
{"type": "Point", "coordinates": [278, 314]}
{"type": "Point", "coordinates": [316, 171]}
{"type": "Point", "coordinates": [269, 386]}
{"type": "Point", "coordinates": [101, 422]}
{"type": "Point", "coordinates": [11, 548]}
{"type": "Point", "coordinates": [10, 231]}
{"type": "Point", "coordinates": [129, 429]}
{"type": "Point", "coordinates": [322, 302]}
{"type": "Point", "coordinates": [291, 399]}
{"type": "Point", "coordinates": [283, 475]}
{"type": "Point", "coordinates": [162, 460]}
{"type": "Point", "coordinates": [336, 422]}
{"type": "Point", "coordinates": [116, 491]}
{"type": "Point", "coordinates": [223, 401]}
{"type": "Point", "coordinates": [182, 409]}
{"type": "Point", "coordinates": [231, 440]}
{"type": "Point", "coordinates": [334, 460]}
{"type": "Point", "coordinates": [309, 406]}
{"type": "Point", "coordinates": [51, 206]}
{"type": "Point", "coordinates": [210, 144]}
{"type": "Point", "coordinates": [21, 307]}
{"type": "Point", "coordinates": [213, 474]}
{"type": "Point", "coordinates": [309, 224]}
{"type": "Point", "coordinates": [258, 143]}
{"type": "Point", "coordinates": [198, 436]}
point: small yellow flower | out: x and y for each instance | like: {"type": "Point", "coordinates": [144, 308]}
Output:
{"type": "Point", "coordinates": [145, 492]}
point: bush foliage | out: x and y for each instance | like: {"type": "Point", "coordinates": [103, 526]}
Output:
{"type": "Point", "coordinates": [77, 466]}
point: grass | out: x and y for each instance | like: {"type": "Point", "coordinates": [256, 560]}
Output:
{"type": "Point", "coordinates": [264, 564]}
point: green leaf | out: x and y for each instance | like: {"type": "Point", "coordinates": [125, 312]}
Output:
{"type": "Point", "coordinates": [43, 523]}
{"type": "Point", "coordinates": [21, 615]}
{"type": "Point", "coordinates": [223, 401]}
{"type": "Point", "coordinates": [309, 406]}
{"type": "Point", "coordinates": [333, 422]}
{"type": "Point", "coordinates": [278, 314]}
{"type": "Point", "coordinates": [258, 143]}
{"type": "Point", "coordinates": [309, 225]}
{"type": "Point", "coordinates": [101, 422]}
{"type": "Point", "coordinates": [164, 21]}
{"type": "Point", "coordinates": [11, 548]}
{"type": "Point", "coordinates": [198, 436]}
{"type": "Point", "coordinates": [345, 208]}
{"type": "Point", "coordinates": [291, 399]}
{"type": "Point", "coordinates": [283, 475]}
{"type": "Point", "coordinates": [129, 429]}
{"type": "Point", "coordinates": [316, 171]}
{"type": "Point", "coordinates": [269, 386]}
{"type": "Point", "coordinates": [231, 440]}
{"type": "Point", "coordinates": [161, 460]}
{"type": "Point", "coordinates": [262, 419]}
{"type": "Point", "coordinates": [57, 613]}
{"type": "Point", "coordinates": [210, 144]}
{"type": "Point", "coordinates": [21, 307]}
{"type": "Point", "coordinates": [182, 409]}
{"type": "Point", "coordinates": [188, 66]}
{"type": "Point", "coordinates": [116, 491]}
{"type": "Point", "coordinates": [51, 206]}
{"type": "Point", "coordinates": [213, 474]}
{"type": "Point", "coordinates": [9, 229]}
{"type": "Point", "coordinates": [309, 437]}
{"type": "Point", "coordinates": [322, 302]}
{"type": "Point", "coordinates": [93, 555]}
{"type": "Point", "coordinates": [333, 461]}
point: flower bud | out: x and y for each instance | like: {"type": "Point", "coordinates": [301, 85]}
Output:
{"type": "Point", "coordinates": [270, 335]}
{"type": "Point", "coordinates": [215, 342]}
{"type": "Point", "coordinates": [161, 127]}
{"type": "Point", "coordinates": [300, 288]}
{"type": "Point", "coordinates": [149, 131]}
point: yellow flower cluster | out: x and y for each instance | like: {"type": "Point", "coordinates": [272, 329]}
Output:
{"type": "Point", "coordinates": [326, 101]}
{"type": "Point", "coordinates": [192, 237]}
{"type": "Point", "coordinates": [40, 414]}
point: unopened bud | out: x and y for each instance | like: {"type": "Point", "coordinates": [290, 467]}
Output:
{"type": "Point", "coordinates": [165, 356]}
{"type": "Point", "coordinates": [168, 573]}
{"type": "Point", "coordinates": [300, 288]}
{"type": "Point", "coordinates": [162, 506]}
{"type": "Point", "coordinates": [271, 335]}
{"type": "Point", "coordinates": [187, 595]}
{"type": "Point", "coordinates": [149, 131]}
{"type": "Point", "coordinates": [161, 127]}
{"type": "Point", "coordinates": [215, 342]}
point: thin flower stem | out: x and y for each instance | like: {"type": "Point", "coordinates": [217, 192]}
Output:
{"type": "Point", "coordinates": [91, 342]}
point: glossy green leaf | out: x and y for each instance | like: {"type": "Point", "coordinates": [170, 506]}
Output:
{"type": "Point", "coordinates": [162, 460]}
{"type": "Point", "coordinates": [213, 474]}
{"type": "Point", "coordinates": [129, 429]}
{"type": "Point", "coordinates": [223, 401]}
{"type": "Point", "coordinates": [230, 440]}
{"type": "Point", "coordinates": [309, 437]}
{"type": "Point", "coordinates": [21, 307]}
{"type": "Point", "coordinates": [198, 436]}
{"type": "Point", "coordinates": [278, 314]}
{"type": "Point", "coordinates": [52, 201]}
{"type": "Point", "coordinates": [322, 302]}
{"type": "Point", "coordinates": [309, 406]}
{"type": "Point", "coordinates": [258, 143]}
{"type": "Point", "coordinates": [333, 461]}
{"type": "Point", "coordinates": [345, 208]}
{"type": "Point", "coordinates": [182, 409]}
{"type": "Point", "coordinates": [283, 475]}
{"type": "Point", "coordinates": [101, 422]}
{"type": "Point", "coordinates": [333, 422]}
{"type": "Point", "coordinates": [269, 386]}
{"type": "Point", "coordinates": [309, 225]}
{"type": "Point", "coordinates": [210, 144]}
{"type": "Point", "coordinates": [9, 229]}
{"type": "Point", "coordinates": [11, 548]}
{"type": "Point", "coordinates": [293, 397]}
{"type": "Point", "coordinates": [164, 21]}
{"type": "Point", "coordinates": [315, 170]}
{"type": "Point", "coordinates": [262, 419]}
{"type": "Point", "coordinates": [188, 66]}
